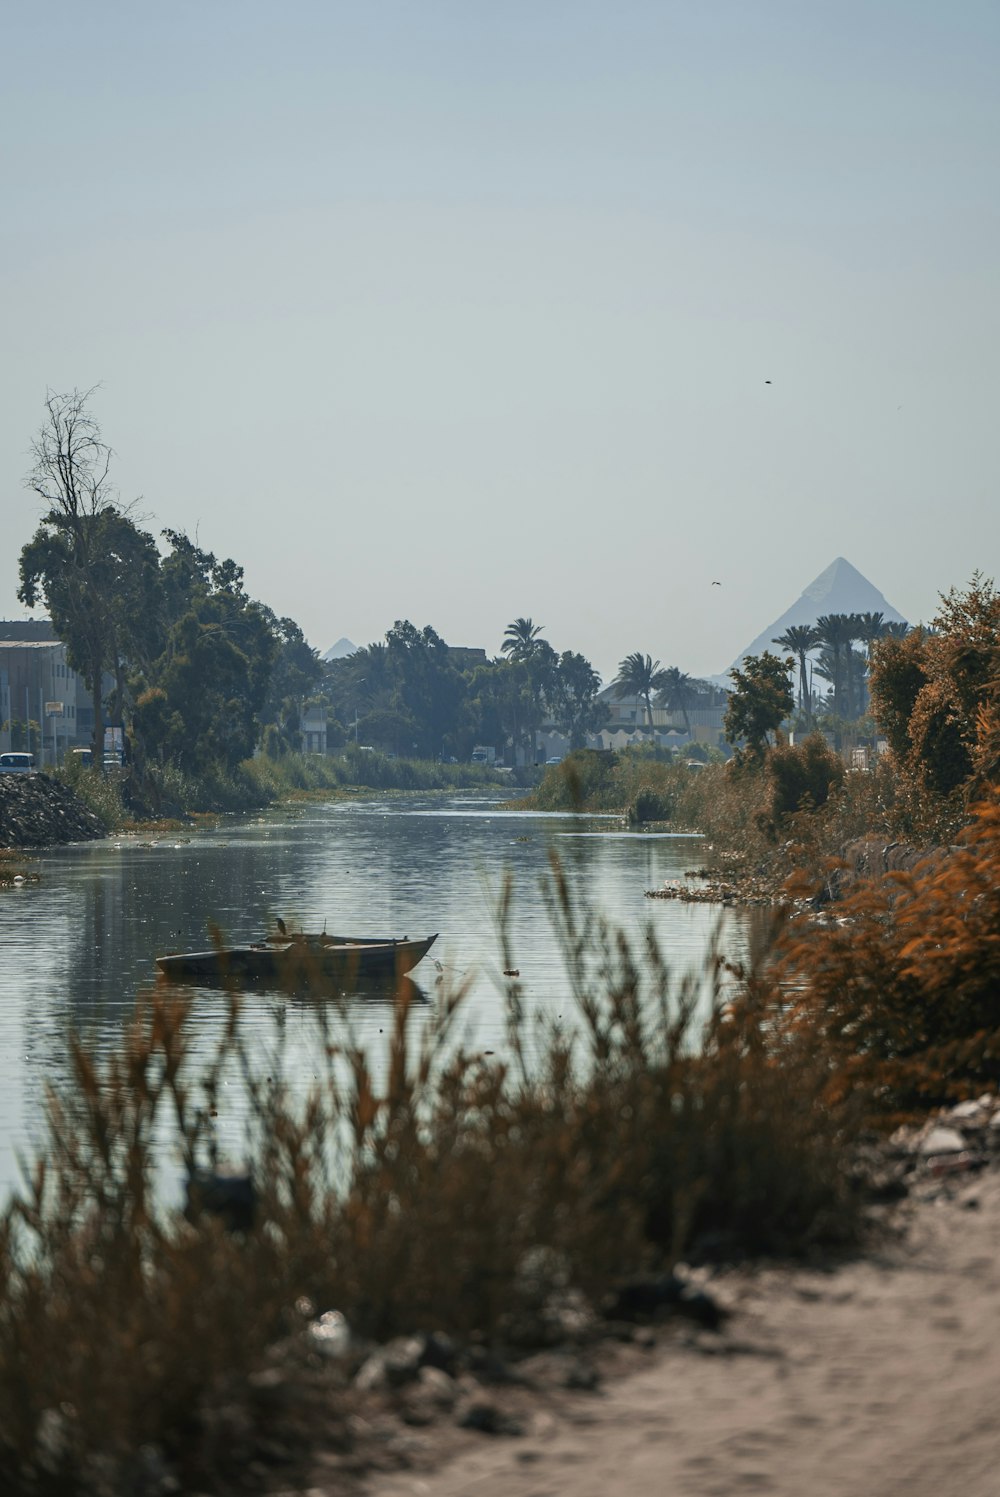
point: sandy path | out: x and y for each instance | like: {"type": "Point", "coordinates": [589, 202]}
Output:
{"type": "Point", "coordinates": [882, 1378]}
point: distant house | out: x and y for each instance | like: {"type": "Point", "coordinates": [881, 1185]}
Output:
{"type": "Point", "coordinates": [627, 715]}
{"type": "Point", "coordinates": [313, 729]}
{"type": "Point", "coordinates": [467, 657]}
{"type": "Point", "coordinates": [37, 685]}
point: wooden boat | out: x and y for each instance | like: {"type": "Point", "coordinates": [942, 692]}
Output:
{"type": "Point", "coordinates": [301, 960]}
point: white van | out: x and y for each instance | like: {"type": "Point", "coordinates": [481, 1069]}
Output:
{"type": "Point", "coordinates": [15, 763]}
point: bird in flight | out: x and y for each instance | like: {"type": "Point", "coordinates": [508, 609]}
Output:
{"type": "Point", "coordinates": [767, 382]}
{"type": "Point", "coordinates": [716, 584]}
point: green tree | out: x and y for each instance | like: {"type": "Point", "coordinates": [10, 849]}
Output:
{"type": "Point", "coordinates": [574, 701]}
{"type": "Point", "coordinates": [88, 562]}
{"type": "Point", "coordinates": [542, 667]}
{"type": "Point", "coordinates": [521, 639]}
{"type": "Point", "coordinates": [898, 675]}
{"type": "Point", "coordinates": [836, 632]}
{"type": "Point", "coordinates": [760, 701]}
{"type": "Point", "coordinates": [677, 692]}
{"type": "Point", "coordinates": [802, 776]}
{"type": "Point", "coordinates": [639, 676]}
{"type": "Point", "coordinates": [425, 684]}
{"type": "Point", "coordinates": [500, 702]}
{"type": "Point", "coordinates": [200, 702]}
{"type": "Point", "coordinates": [295, 674]}
{"type": "Point", "coordinates": [798, 640]}
{"type": "Point", "coordinates": [936, 692]}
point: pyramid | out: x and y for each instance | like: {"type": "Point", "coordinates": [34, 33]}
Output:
{"type": "Point", "coordinates": [339, 650]}
{"type": "Point", "coordinates": [840, 589]}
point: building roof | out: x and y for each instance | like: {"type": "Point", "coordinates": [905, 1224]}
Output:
{"type": "Point", "coordinates": [30, 644]}
{"type": "Point", "coordinates": [22, 630]}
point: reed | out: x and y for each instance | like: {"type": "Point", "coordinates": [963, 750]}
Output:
{"type": "Point", "coordinates": [440, 1190]}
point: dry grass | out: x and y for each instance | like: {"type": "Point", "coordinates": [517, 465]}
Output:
{"type": "Point", "coordinates": [455, 1196]}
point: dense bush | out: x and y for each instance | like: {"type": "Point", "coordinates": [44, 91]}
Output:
{"type": "Point", "coordinates": [100, 793]}
{"type": "Point", "coordinates": [802, 776]}
{"type": "Point", "coordinates": [903, 986]}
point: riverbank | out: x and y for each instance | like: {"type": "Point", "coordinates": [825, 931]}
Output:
{"type": "Point", "coordinates": [40, 810]}
{"type": "Point", "coordinates": [873, 1378]}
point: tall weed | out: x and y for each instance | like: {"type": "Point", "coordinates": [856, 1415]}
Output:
{"type": "Point", "coordinates": [453, 1194]}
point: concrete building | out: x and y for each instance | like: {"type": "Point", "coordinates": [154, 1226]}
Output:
{"type": "Point", "coordinates": [38, 686]}
{"type": "Point", "coordinates": [313, 729]}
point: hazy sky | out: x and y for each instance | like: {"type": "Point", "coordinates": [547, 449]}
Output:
{"type": "Point", "coordinates": [463, 311]}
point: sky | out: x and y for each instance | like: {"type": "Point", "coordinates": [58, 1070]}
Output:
{"type": "Point", "coordinates": [461, 312]}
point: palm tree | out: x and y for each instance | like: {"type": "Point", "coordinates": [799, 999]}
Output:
{"type": "Point", "coordinates": [521, 641]}
{"type": "Point", "coordinates": [677, 691]}
{"type": "Point", "coordinates": [799, 639]}
{"type": "Point", "coordinates": [638, 675]}
{"type": "Point", "coordinates": [871, 628]}
{"type": "Point", "coordinates": [897, 631]}
{"type": "Point", "coordinates": [836, 631]}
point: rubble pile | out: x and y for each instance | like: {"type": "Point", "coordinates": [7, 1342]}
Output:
{"type": "Point", "coordinates": [37, 811]}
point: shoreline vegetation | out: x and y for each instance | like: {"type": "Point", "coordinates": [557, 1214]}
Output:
{"type": "Point", "coordinates": [416, 1238]}
{"type": "Point", "coordinates": [104, 804]}
{"type": "Point", "coordinates": [412, 1229]}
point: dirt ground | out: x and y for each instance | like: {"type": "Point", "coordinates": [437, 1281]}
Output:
{"type": "Point", "coordinates": [877, 1378]}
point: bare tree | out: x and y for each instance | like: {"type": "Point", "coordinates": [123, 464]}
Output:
{"type": "Point", "coordinates": [86, 554]}
{"type": "Point", "coordinates": [71, 462]}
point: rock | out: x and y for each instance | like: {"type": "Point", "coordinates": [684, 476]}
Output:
{"type": "Point", "coordinates": [438, 1386]}
{"type": "Point", "coordinates": [955, 1164]}
{"type": "Point", "coordinates": [964, 1112]}
{"type": "Point", "coordinates": [331, 1335]}
{"type": "Point", "coordinates": [941, 1140]}
{"type": "Point", "coordinates": [480, 1412]}
{"type": "Point", "coordinates": [440, 1352]}
{"type": "Point", "coordinates": [402, 1359]}
{"type": "Point", "coordinates": [488, 1366]}
{"type": "Point", "coordinates": [432, 1394]}
{"type": "Point", "coordinates": [370, 1377]}
{"type": "Point", "coordinates": [647, 1299]}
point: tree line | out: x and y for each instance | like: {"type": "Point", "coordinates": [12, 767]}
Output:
{"type": "Point", "coordinates": [196, 665]}
{"type": "Point", "coordinates": [202, 674]}
{"type": "Point", "coordinates": [837, 662]}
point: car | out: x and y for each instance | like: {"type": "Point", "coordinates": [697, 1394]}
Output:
{"type": "Point", "coordinates": [17, 763]}
{"type": "Point", "coordinates": [556, 759]}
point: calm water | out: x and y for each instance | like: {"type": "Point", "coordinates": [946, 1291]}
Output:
{"type": "Point", "coordinates": [78, 946]}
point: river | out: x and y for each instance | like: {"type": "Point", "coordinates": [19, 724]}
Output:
{"type": "Point", "coordinates": [79, 945]}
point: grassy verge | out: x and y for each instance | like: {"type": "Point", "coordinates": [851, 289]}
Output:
{"type": "Point", "coordinates": [795, 811]}
{"type": "Point", "coordinates": [167, 793]}
{"type": "Point", "coordinates": [101, 794]}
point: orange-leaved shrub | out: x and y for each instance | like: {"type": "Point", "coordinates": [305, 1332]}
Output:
{"type": "Point", "coordinates": [904, 985]}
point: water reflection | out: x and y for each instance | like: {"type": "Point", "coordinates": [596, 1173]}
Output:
{"type": "Point", "coordinates": [80, 945]}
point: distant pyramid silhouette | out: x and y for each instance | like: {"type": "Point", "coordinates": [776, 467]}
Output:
{"type": "Point", "coordinates": [840, 589]}
{"type": "Point", "coordinates": [339, 650]}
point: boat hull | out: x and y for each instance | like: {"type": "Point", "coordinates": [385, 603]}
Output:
{"type": "Point", "coordinates": [300, 963]}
